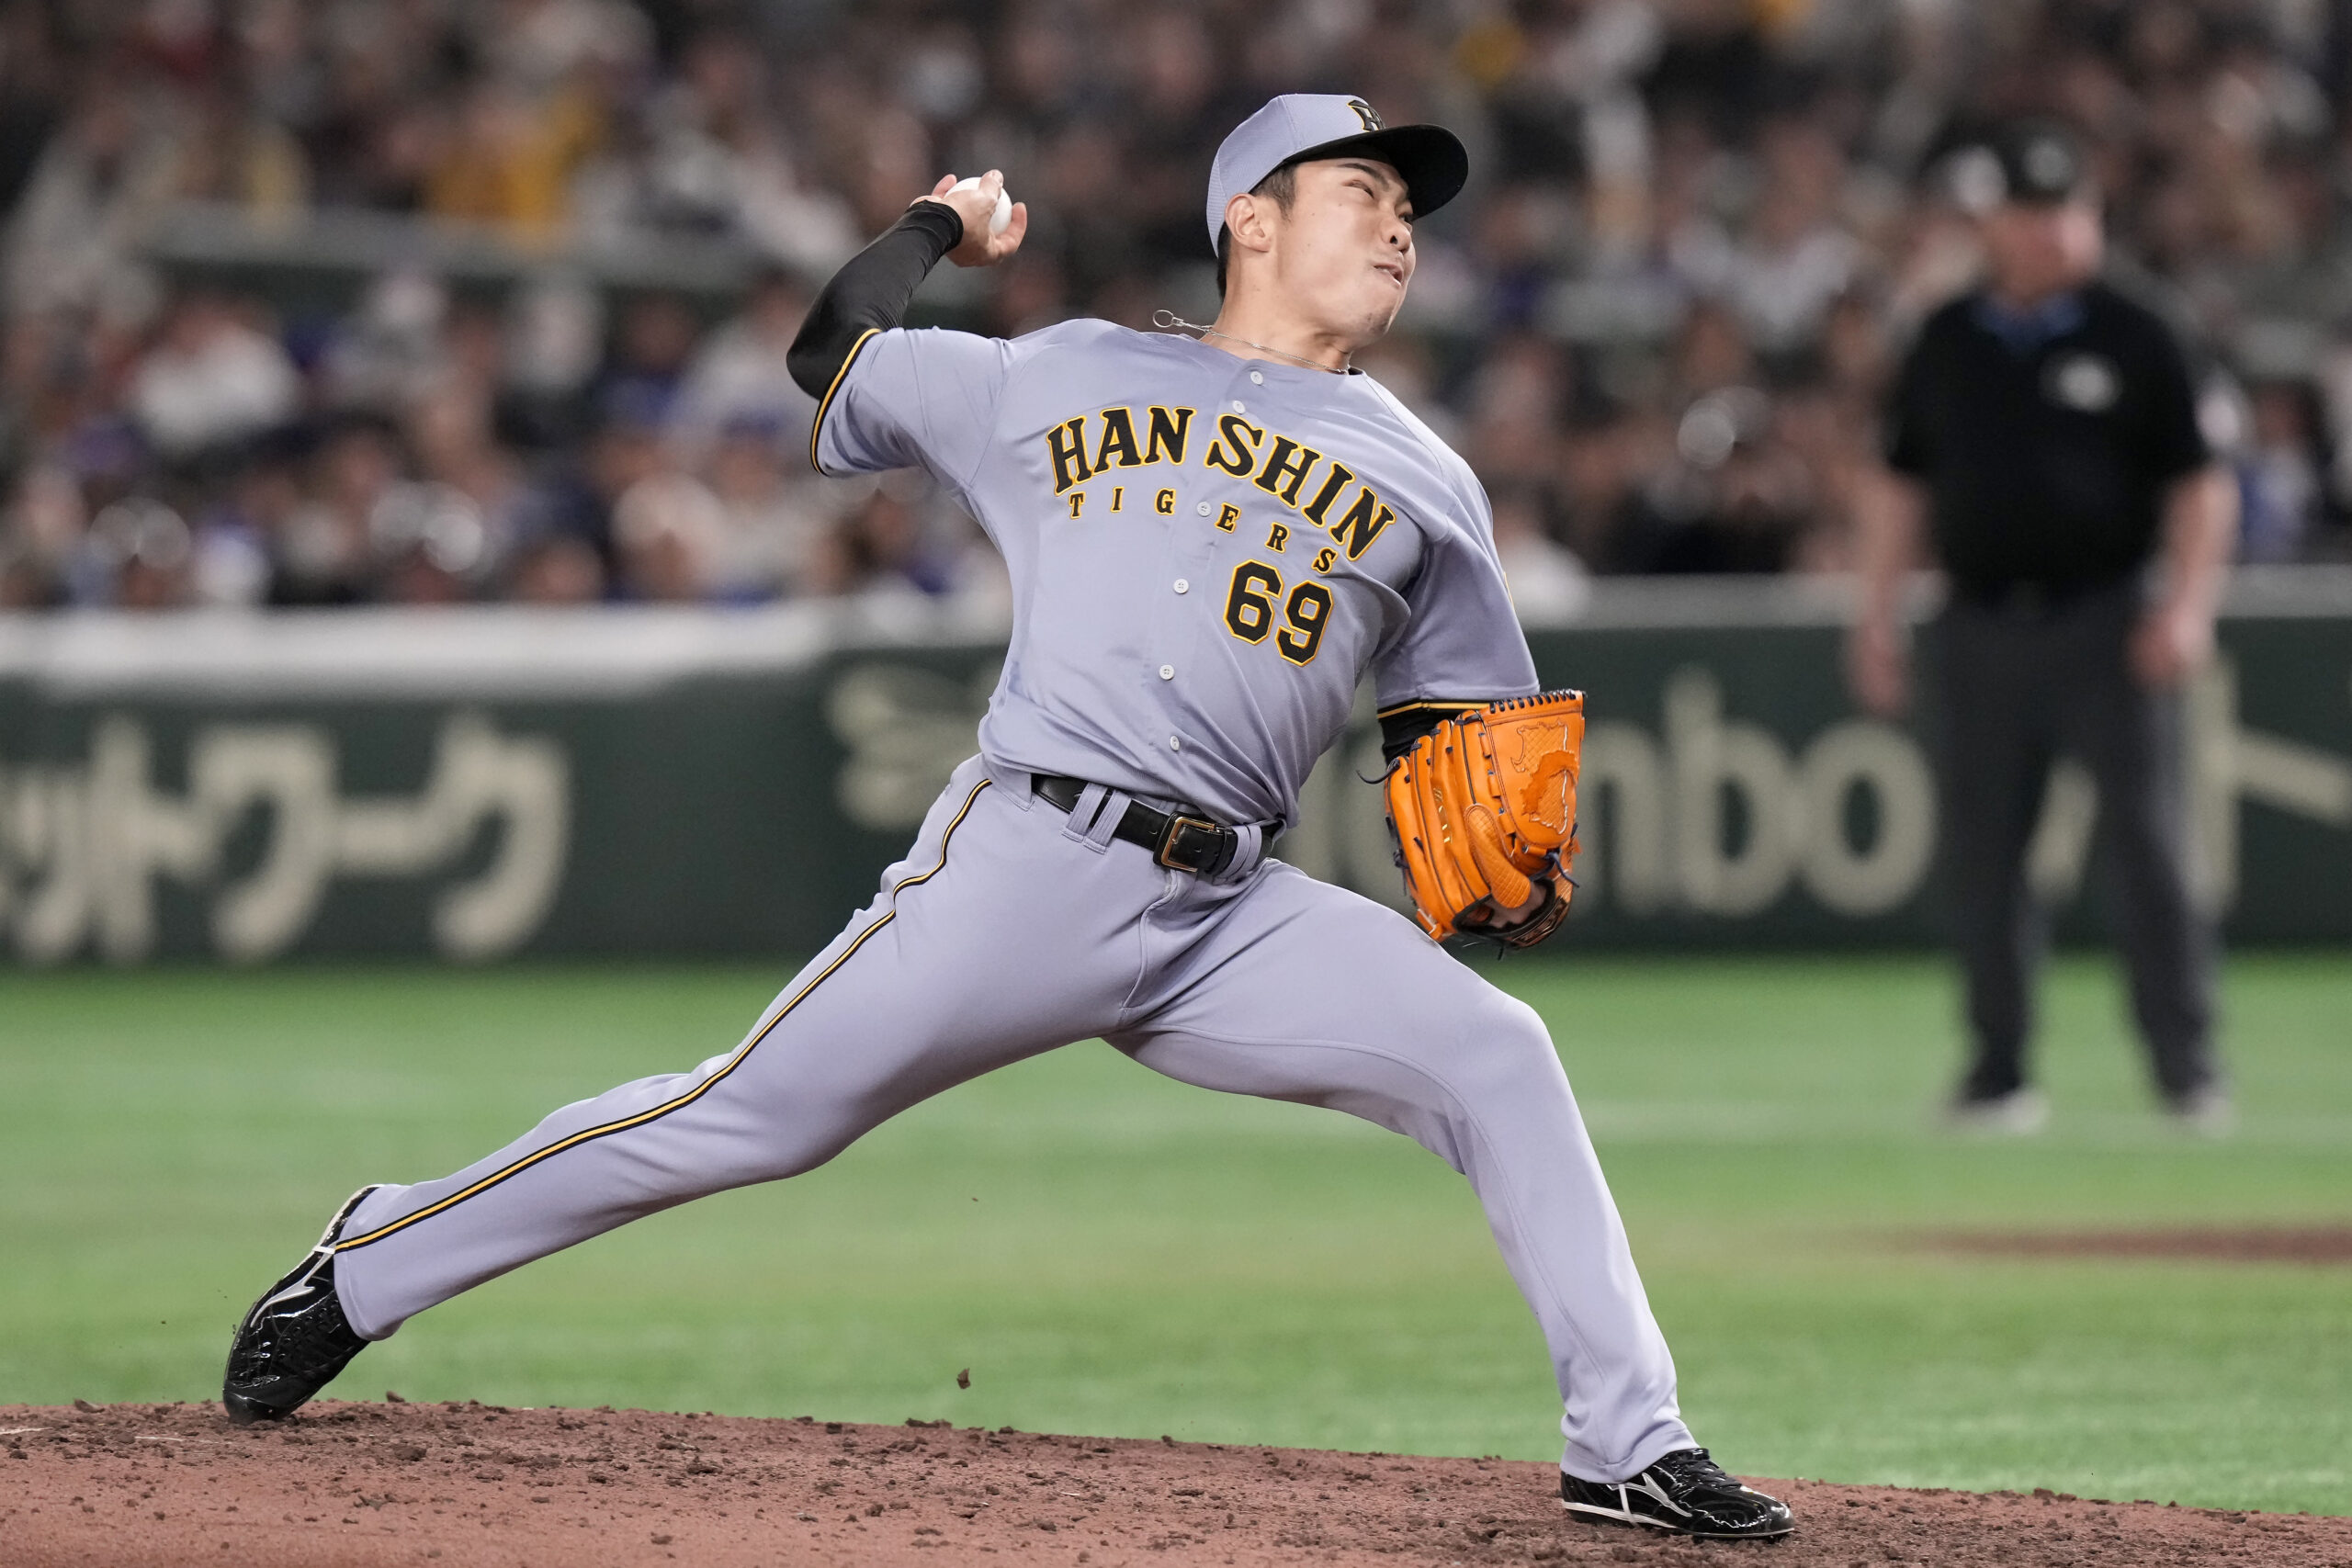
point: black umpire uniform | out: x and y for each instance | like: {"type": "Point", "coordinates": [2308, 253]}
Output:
{"type": "Point", "coordinates": [2046, 441]}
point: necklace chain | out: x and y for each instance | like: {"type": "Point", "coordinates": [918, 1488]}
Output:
{"type": "Point", "coordinates": [1164, 319]}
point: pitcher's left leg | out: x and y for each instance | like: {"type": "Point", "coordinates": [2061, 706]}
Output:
{"type": "Point", "coordinates": [1292, 989]}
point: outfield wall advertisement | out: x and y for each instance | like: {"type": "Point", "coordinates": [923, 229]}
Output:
{"type": "Point", "coordinates": [478, 785]}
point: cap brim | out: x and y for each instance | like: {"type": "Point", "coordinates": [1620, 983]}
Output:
{"type": "Point", "coordinates": [1429, 159]}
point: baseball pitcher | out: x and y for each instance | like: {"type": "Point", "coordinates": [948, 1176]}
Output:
{"type": "Point", "coordinates": [1211, 539]}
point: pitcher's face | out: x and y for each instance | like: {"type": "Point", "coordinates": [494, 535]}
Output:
{"type": "Point", "coordinates": [1344, 253]}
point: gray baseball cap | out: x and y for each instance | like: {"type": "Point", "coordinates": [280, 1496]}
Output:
{"type": "Point", "coordinates": [1299, 126]}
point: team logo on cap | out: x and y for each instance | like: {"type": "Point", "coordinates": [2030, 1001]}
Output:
{"type": "Point", "coordinates": [2048, 166]}
{"type": "Point", "coordinates": [1366, 113]}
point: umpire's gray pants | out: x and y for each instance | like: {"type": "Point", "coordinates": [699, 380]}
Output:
{"type": "Point", "coordinates": [2019, 687]}
{"type": "Point", "coordinates": [1002, 935]}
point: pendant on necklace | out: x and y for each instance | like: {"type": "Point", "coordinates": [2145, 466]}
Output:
{"type": "Point", "coordinates": [1164, 319]}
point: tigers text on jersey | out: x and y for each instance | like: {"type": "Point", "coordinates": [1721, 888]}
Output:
{"type": "Point", "coordinates": [1206, 551]}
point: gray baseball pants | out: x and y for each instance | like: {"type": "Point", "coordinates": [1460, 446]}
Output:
{"type": "Point", "coordinates": [1005, 933]}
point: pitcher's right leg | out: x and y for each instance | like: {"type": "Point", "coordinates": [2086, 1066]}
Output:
{"type": "Point", "coordinates": [910, 999]}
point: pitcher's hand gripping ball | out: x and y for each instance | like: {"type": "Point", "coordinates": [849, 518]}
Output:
{"type": "Point", "coordinates": [1484, 813]}
{"type": "Point", "coordinates": [1002, 216]}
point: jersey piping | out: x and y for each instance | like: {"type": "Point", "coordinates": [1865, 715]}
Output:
{"type": "Point", "coordinates": [824, 404]}
{"type": "Point", "coordinates": [1441, 704]}
{"type": "Point", "coordinates": [742, 1054]}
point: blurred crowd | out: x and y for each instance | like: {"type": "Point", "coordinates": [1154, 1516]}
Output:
{"type": "Point", "coordinates": [1658, 323]}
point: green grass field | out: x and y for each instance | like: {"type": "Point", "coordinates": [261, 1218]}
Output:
{"type": "Point", "coordinates": [1110, 1253]}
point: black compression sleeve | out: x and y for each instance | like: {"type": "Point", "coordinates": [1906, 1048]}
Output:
{"type": "Point", "coordinates": [870, 293]}
{"type": "Point", "coordinates": [1402, 727]}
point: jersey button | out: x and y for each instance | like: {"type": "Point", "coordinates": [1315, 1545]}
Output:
{"type": "Point", "coordinates": [1257, 378]}
{"type": "Point", "coordinates": [1184, 585]}
{"type": "Point", "coordinates": [1238, 406]}
{"type": "Point", "coordinates": [1168, 671]}
{"type": "Point", "coordinates": [1174, 744]}
{"type": "Point", "coordinates": [1203, 509]}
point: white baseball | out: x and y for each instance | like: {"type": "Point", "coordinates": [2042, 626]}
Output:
{"type": "Point", "coordinates": [1003, 213]}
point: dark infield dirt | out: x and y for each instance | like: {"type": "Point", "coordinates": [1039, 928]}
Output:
{"type": "Point", "coordinates": [172, 1486]}
{"type": "Point", "coordinates": [2310, 1244]}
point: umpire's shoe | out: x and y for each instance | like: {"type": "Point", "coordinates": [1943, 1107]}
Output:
{"type": "Point", "coordinates": [295, 1340]}
{"type": "Point", "coordinates": [1686, 1493]}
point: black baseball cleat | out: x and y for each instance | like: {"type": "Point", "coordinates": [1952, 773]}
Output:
{"type": "Point", "coordinates": [1686, 1493]}
{"type": "Point", "coordinates": [295, 1339]}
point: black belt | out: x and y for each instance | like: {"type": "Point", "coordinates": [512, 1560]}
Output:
{"type": "Point", "coordinates": [2026, 597]}
{"type": "Point", "coordinates": [1183, 843]}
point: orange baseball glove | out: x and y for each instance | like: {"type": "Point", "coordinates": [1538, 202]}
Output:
{"type": "Point", "coordinates": [1482, 813]}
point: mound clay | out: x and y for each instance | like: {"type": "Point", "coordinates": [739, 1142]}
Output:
{"type": "Point", "coordinates": [171, 1486]}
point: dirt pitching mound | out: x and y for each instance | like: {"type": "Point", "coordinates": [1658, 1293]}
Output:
{"type": "Point", "coordinates": [2311, 1244]}
{"type": "Point", "coordinates": [354, 1485]}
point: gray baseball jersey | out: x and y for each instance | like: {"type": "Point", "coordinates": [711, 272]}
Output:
{"type": "Point", "coordinates": [1206, 551]}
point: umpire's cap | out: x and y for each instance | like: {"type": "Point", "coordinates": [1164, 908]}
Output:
{"type": "Point", "coordinates": [2042, 163]}
{"type": "Point", "coordinates": [1298, 126]}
